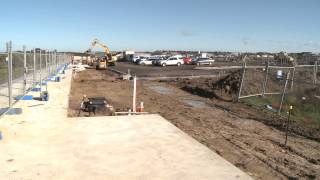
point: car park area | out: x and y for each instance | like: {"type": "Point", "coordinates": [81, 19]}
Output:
{"type": "Point", "coordinates": [156, 71]}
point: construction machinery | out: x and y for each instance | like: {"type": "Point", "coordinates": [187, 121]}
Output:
{"type": "Point", "coordinates": [94, 104]}
{"type": "Point", "coordinates": [107, 59]}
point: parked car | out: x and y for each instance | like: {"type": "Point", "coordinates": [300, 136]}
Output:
{"type": "Point", "coordinates": [135, 58]}
{"type": "Point", "coordinates": [155, 60]}
{"type": "Point", "coordinates": [138, 60]}
{"type": "Point", "coordinates": [187, 60]}
{"type": "Point", "coordinates": [145, 61]}
{"type": "Point", "coordinates": [171, 61]}
{"type": "Point", "coordinates": [203, 61]}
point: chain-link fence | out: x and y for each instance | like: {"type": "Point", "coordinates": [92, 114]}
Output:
{"type": "Point", "coordinates": [25, 69]}
{"type": "Point", "coordinates": [276, 88]}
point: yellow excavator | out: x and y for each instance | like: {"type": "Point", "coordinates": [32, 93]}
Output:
{"type": "Point", "coordinates": [106, 60]}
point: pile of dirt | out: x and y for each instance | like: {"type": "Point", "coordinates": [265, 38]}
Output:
{"type": "Point", "coordinates": [225, 88]}
{"type": "Point", "coordinates": [229, 85]}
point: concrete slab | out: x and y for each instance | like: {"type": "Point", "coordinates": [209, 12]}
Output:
{"type": "Point", "coordinates": [42, 143]}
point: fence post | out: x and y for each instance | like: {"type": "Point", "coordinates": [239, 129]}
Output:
{"type": "Point", "coordinates": [9, 51]}
{"type": "Point", "coordinates": [265, 79]}
{"type": "Point", "coordinates": [134, 94]}
{"type": "Point", "coordinates": [56, 61]}
{"type": "Point", "coordinates": [242, 79]}
{"type": "Point", "coordinates": [292, 76]}
{"type": "Point", "coordinates": [25, 70]}
{"type": "Point", "coordinates": [46, 64]}
{"type": "Point", "coordinates": [284, 92]}
{"type": "Point", "coordinates": [315, 69]}
{"type": "Point", "coordinates": [34, 66]}
{"type": "Point", "coordinates": [50, 62]}
{"type": "Point", "coordinates": [40, 71]}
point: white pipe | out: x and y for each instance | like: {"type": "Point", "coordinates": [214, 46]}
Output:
{"type": "Point", "coordinates": [131, 113]}
{"type": "Point", "coordinates": [134, 94]}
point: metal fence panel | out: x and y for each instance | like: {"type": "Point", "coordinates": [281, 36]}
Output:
{"type": "Point", "coordinates": [18, 75]}
{"type": "Point", "coordinates": [277, 88]}
{"type": "Point", "coordinates": [29, 70]}
{"type": "Point", "coordinates": [4, 94]}
{"type": "Point", "coordinates": [23, 69]}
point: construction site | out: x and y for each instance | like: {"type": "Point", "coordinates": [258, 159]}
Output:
{"type": "Point", "coordinates": [250, 137]}
{"type": "Point", "coordinates": [97, 117]}
{"type": "Point", "coordinates": [160, 90]}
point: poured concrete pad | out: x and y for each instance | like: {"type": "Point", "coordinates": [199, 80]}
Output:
{"type": "Point", "coordinates": [122, 147]}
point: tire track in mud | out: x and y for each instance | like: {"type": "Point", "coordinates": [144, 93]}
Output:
{"type": "Point", "coordinates": [258, 151]}
{"type": "Point", "coordinates": [246, 151]}
{"type": "Point", "coordinates": [277, 165]}
{"type": "Point", "coordinates": [291, 150]}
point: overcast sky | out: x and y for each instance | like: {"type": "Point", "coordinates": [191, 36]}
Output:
{"type": "Point", "coordinates": [225, 25]}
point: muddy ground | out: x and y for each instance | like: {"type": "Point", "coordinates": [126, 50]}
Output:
{"type": "Point", "coordinates": [226, 91]}
{"type": "Point", "coordinates": [238, 135]}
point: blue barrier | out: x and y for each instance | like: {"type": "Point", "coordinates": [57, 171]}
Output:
{"type": "Point", "coordinates": [35, 89]}
{"type": "Point", "coordinates": [26, 97]}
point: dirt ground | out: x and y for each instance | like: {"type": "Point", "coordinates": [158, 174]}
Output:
{"type": "Point", "coordinates": [226, 90]}
{"type": "Point", "coordinates": [239, 135]}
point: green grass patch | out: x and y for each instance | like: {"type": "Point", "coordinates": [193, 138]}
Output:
{"type": "Point", "coordinates": [305, 112]}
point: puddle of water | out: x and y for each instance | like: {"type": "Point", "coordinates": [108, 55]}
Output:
{"type": "Point", "coordinates": [195, 103]}
{"type": "Point", "coordinates": [191, 103]}
{"type": "Point", "coordinates": [161, 89]}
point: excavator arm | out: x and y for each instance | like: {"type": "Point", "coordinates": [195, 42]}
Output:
{"type": "Point", "coordinates": [104, 47]}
